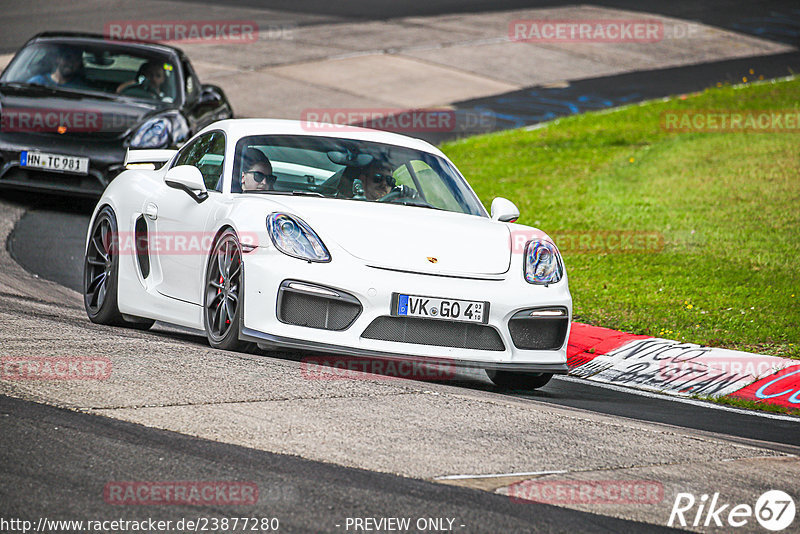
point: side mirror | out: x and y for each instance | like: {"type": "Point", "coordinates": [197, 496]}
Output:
{"type": "Point", "coordinates": [209, 96]}
{"type": "Point", "coordinates": [187, 178]}
{"type": "Point", "coordinates": [504, 210]}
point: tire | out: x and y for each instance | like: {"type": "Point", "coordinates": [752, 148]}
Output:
{"type": "Point", "coordinates": [101, 275]}
{"type": "Point", "coordinates": [516, 380]}
{"type": "Point", "coordinates": [223, 294]}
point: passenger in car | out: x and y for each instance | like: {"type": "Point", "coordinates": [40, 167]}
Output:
{"type": "Point", "coordinates": [256, 171]}
{"type": "Point", "coordinates": [148, 82]}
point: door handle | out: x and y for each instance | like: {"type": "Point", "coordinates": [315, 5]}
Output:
{"type": "Point", "coordinates": [151, 210]}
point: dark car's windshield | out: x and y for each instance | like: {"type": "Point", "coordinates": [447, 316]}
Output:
{"type": "Point", "coordinates": [105, 68]}
{"type": "Point", "coordinates": [350, 169]}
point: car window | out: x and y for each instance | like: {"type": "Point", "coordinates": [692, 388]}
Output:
{"type": "Point", "coordinates": [353, 169]}
{"type": "Point", "coordinates": [192, 86]}
{"type": "Point", "coordinates": [207, 153]}
{"type": "Point", "coordinates": [436, 191]}
{"type": "Point", "coordinates": [104, 68]}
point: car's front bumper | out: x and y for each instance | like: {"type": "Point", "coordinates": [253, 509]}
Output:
{"type": "Point", "coordinates": [270, 341]}
{"type": "Point", "coordinates": [105, 162]}
{"type": "Point", "coordinates": [266, 269]}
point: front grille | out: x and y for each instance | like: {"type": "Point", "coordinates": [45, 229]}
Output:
{"type": "Point", "coordinates": [313, 311]}
{"type": "Point", "coordinates": [538, 333]}
{"type": "Point", "coordinates": [21, 177]}
{"type": "Point", "coordinates": [434, 332]}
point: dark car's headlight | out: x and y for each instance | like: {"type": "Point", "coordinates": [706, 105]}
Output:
{"type": "Point", "coordinates": [292, 236]}
{"type": "Point", "coordinates": [160, 132]}
{"type": "Point", "coordinates": [155, 133]}
{"type": "Point", "coordinates": [542, 262]}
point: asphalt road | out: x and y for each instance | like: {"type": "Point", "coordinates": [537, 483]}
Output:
{"type": "Point", "coordinates": [55, 464]}
{"type": "Point", "coordinates": [777, 20]}
{"type": "Point", "coordinates": [49, 241]}
{"type": "Point", "coordinates": [774, 19]}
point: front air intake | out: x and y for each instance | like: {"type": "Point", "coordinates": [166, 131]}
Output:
{"type": "Point", "coordinates": [435, 332]}
{"type": "Point", "coordinates": [303, 304]}
{"type": "Point", "coordinates": [539, 328]}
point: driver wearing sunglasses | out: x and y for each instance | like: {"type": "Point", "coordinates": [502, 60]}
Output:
{"type": "Point", "coordinates": [257, 171]}
{"type": "Point", "coordinates": [377, 180]}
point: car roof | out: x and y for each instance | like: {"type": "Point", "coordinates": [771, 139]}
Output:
{"type": "Point", "coordinates": [101, 39]}
{"type": "Point", "coordinates": [238, 128]}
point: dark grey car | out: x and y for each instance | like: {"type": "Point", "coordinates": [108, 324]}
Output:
{"type": "Point", "coordinates": [71, 104]}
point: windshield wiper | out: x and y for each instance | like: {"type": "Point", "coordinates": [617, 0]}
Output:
{"type": "Point", "coordinates": [422, 204]}
{"type": "Point", "coordinates": [293, 193]}
{"type": "Point", "coordinates": [308, 193]}
{"type": "Point", "coordinates": [25, 85]}
{"type": "Point", "coordinates": [40, 87]}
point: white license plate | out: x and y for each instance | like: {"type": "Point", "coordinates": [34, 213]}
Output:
{"type": "Point", "coordinates": [54, 162]}
{"type": "Point", "coordinates": [438, 308]}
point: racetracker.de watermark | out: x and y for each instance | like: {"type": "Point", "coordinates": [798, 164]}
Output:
{"type": "Point", "coordinates": [196, 31]}
{"type": "Point", "coordinates": [731, 121]}
{"type": "Point", "coordinates": [185, 243]}
{"type": "Point", "coordinates": [59, 120]}
{"type": "Point", "coordinates": [54, 368]}
{"type": "Point", "coordinates": [355, 368]}
{"type": "Point", "coordinates": [50, 120]}
{"type": "Point", "coordinates": [594, 241]}
{"type": "Point", "coordinates": [397, 120]}
{"type": "Point", "coordinates": [566, 492]}
{"type": "Point", "coordinates": [683, 370]}
{"type": "Point", "coordinates": [193, 493]}
{"type": "Point", "coordinates": [586, 31]}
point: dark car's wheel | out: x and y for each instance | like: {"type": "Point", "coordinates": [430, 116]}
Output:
{"type": "Point", "coordinates": [515, 380]}
{"type": "Point", "coordinates": [101, 273]}
{"type": "Point", "coordinates": [224, 294]}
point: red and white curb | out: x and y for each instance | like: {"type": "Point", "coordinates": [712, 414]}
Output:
{"type": "Point", "coordinates": [677, 368]}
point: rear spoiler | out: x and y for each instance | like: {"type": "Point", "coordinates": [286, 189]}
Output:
{"type": "Point", "coordinates": [148, 156]}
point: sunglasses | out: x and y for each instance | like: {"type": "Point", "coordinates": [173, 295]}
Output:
{"type": "Point", "coordinates": [378, 177]}
{"type": "Point", "coordinates": [259, 176]}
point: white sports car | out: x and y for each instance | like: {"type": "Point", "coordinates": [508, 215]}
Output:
{"type": "Point", "coordinates": [339, 240]}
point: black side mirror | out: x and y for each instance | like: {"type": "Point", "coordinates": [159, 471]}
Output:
{"type": "Point", "coordinates": [209, 96]}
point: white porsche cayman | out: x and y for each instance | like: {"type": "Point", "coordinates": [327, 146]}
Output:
{"type": "Point", "coordinates": [337, 240]}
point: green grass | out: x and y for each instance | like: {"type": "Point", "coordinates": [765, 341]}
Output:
{"type": "Point", "coordinates": [727, 205]}
{"type": "Point", "coordinates": [736, 402]}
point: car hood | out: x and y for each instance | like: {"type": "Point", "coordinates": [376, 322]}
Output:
{"type": "Point", "coordinates": [408, 238]}
{"type": "Point", "coordinates": [43, 110]}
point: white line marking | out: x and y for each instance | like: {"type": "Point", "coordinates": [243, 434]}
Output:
{"type": "Point", "coordinates": [500, 475]}
{"type": "Point", "coordinates": [693, 402]}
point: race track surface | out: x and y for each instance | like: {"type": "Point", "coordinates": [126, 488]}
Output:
{"type": "Point", "coordinates": [321, 451]}
{"type": "Point", "coordinates": [304, 496]}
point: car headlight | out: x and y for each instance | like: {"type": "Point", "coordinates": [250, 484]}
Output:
{"type": "Point", "coordinates": [154, 133]}
{"type": "Point", "coordinates": [542, 262]}
{"type": "Point", "coordinates": [292, 236]}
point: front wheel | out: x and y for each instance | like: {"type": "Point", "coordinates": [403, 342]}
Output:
{"type": "Point", "coordinates": [224, 294]}
{"type": "Point", "coordinates": [517, 380]}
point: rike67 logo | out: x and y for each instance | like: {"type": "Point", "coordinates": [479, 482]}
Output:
{"type": "Point", "coordinates": [774, 510]}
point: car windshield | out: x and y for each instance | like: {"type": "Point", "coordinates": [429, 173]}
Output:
{"type": "Point", "coordinates": [104, 68]}
{"type": "Point", "coordinates": [350, 169]}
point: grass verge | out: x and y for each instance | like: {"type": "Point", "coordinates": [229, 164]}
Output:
{"type": "Point", "coordinates": [736, 402]}
{"type": "Point", "coordinates": [727, 206]}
